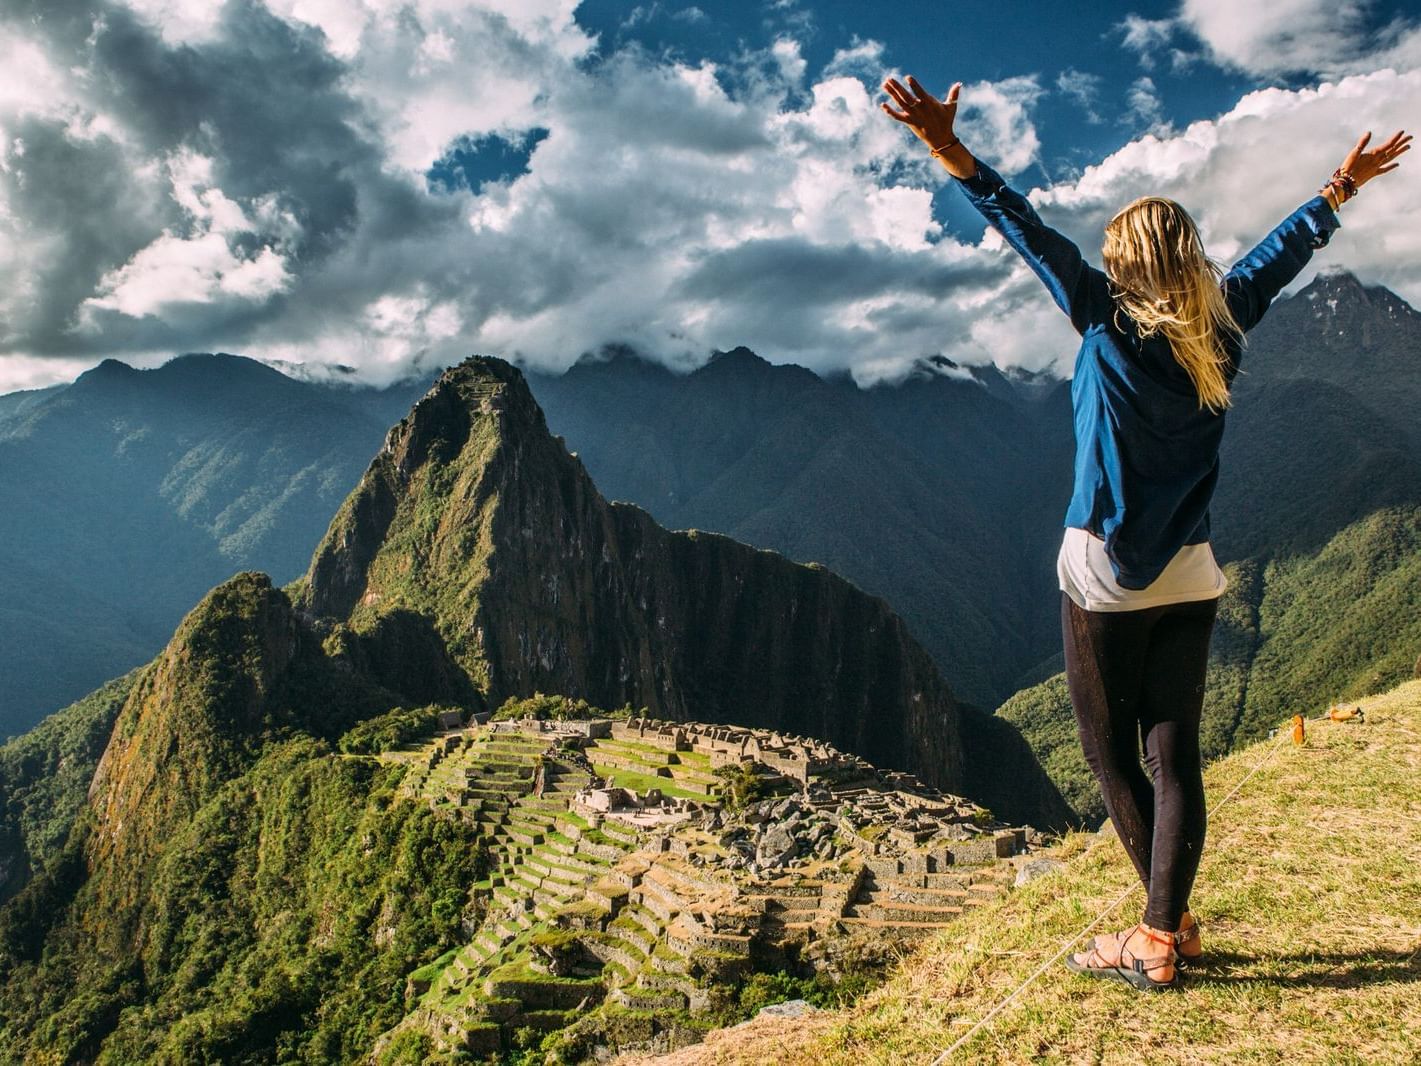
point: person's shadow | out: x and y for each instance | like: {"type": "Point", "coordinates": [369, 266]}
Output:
{"type": "Point", "coordinates": [1317, 969]}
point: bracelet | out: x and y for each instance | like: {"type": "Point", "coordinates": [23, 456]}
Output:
{"type": "Point", "coordinates": [950, 144]}
{"type": "Point", "coordinates": [1343, 183]}
{"type": "Point", "coordinates": [1338, 192]}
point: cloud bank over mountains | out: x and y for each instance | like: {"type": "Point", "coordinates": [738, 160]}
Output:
{"type": "Point", "coordinates": [256, 177]}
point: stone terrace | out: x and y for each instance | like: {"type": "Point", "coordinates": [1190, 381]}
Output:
{"type": "Point", "coordinates": [603, 894]}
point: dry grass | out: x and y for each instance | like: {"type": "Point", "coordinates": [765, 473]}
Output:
{"type": "Point", "coordinates": [1310, 899]}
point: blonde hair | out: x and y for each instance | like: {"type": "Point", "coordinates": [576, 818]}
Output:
{"type": "Point", "coordinates": [1162, 279]}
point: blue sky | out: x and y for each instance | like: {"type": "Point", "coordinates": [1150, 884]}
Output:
{"type": "Point", "coordinates": [398, 184]}
{"type": "Point", "coordinates": [940, 43]}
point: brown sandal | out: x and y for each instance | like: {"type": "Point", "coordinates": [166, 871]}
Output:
{"type": "Point", "coordinates": [1136, 972]}
{"type": "Point", "coordinates": [1185, 936]}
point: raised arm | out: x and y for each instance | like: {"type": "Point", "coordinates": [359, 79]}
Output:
{"type": "Point", "coordinates": [1252, 282]}
{"type": "Point", "coordinates": [1079, 289]}
{"type": "Point", "coordinates": [1258, 277]}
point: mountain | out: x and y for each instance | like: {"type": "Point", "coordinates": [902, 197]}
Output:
{"type": "Point", "coordinates": [916, 492]}
{"type": "Point", "coordinates": [44, 780]}
{"type": "Point", "coordinates": [17, 403]}
{"type": "Point", "coordinates": [1323, 431]}
{"type": "Point", "coordinates": [253, 874]}
{"type": "Point", "coordinates": [475, 519]}
{"type": "Point", "coordinates": [127, 494]}
{"type": "Point", "coordinates": [226, 887]}
{"type": "Point", "coordinates": [1360, 338]}
{"type": "Point", "coordinates": [944, 493]}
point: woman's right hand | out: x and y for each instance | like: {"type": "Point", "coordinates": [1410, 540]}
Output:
{"type": "Point", "coordinates": [927, 116]}
{"type": "Point", "coordinates": [931, 120]}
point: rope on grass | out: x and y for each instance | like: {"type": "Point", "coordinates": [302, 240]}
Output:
{"type": "Point", "coordinates": [1002, 1005]}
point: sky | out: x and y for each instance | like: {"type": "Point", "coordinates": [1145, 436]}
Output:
{"type": "Point", "coordinates": [394, 185]}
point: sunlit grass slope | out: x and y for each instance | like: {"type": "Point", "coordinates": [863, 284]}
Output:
{"type": "Point", "coordinates": [1309, 895]}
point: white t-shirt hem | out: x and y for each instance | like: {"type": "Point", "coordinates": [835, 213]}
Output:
{"type": "Point", "coordinates": [1084, 574]}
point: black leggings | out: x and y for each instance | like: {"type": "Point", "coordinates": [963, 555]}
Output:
{"type": "Point", "coordinates": [1138, 677]}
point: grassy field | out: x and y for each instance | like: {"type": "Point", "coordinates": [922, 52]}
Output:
{"type": "Point", "coordinates": [1309, 897]}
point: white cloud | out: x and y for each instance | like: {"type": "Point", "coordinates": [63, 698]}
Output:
{"type": "Point", "coordinates": [1242, 173]}
{"type": "Point", "coordinates": [1332, 38]}
{"type": "Point", "coordinates": [1084, 89]}
{"type": "Point", "coordinates": [1145, 107]}
{"type": "Point", "coordinates": [434, 71]}
{"type": "Point", "coordinates": [30, 372]}
{"type": "Point", "coordinates": [200, 268]}
{"type": "Point", "coordinates": [1145, 36]}
{"type": "Point", "coordinates": [181, 21]}
{"type": "Point", "coordinates": [176, 270]}
{"type": "Point", "coordinates": [862, 59]}
{"type": "Point", "coordinates": [1277, 37]}
{"type": "Point", "coordinates": [675, 206]}
{"type": "Point", "coordinates": [994, 119]}
{"type": "Point", "coordinates": [659, 188]}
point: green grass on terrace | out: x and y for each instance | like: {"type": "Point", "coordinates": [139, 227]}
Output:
{"type": "Point", "coordinates": [642, 782]}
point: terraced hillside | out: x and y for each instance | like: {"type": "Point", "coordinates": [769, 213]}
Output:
{"type": "Point", "coordinates": [628, 885]}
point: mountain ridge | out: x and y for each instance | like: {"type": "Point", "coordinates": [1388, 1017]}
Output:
{"type": "Point", "coordinates": [936, 493]}
{"type": "Point", "coordinates": [475, 516]}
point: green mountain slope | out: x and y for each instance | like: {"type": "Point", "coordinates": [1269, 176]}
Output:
{"type": "Point", "coordinates": [44, 777]}
{"type": "Point", "coordinates": [233, 889]}
{"type": "Point", "coordinates": [1293, 635]}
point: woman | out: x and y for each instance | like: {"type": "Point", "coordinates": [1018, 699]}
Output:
{"type": "Point", "coordinates": [1161, 334]}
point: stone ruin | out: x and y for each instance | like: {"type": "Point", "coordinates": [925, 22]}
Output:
{"type": "Point", "coordinates": [793, 757]}
{"type": "Point", "coordinates": [666, 894]}
{"type": "Point", "coordinates": [647, 810]}
{"type": "Point", "coordinates": [556, 729]}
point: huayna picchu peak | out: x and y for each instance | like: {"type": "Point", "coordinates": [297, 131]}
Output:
{"type": "Point", "coordinates": [475, 518]}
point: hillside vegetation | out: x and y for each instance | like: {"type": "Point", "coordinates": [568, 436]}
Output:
{"type": "Point", "coordinates": [279, 924]}
{"type": "Point", "coordinates": [1307, 904]}
{"type": "Point", "coordinates": [44, 776]}
{"type": "Point", "coordinates": [234, 890]}
{"type": "Point", "coordinates": [1293, 635]}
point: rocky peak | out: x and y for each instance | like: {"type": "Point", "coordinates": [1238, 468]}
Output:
{"type": "Point", "coordinates": [1339, 292]}
{"type": "Point", "coordinates": [739, 358]}
{"type": "Point", "coordinates": [477, 523]}
{"type": "Point", "coordinates": [1336, 330]}
{"type": "Point", "coordinates": [456, 433]}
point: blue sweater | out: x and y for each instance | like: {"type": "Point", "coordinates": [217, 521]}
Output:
{"type": "Point", "coordinates": [1147, 455]}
